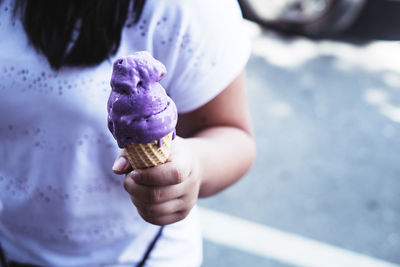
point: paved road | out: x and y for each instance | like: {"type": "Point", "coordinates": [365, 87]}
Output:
{"type": "Point", "coordinates": [327, 124]}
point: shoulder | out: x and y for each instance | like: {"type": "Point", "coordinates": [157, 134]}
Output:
{"type": "Point", "coordinates": [187, 28]}
{"type": "Point", "coordinates": [165, 22]}
{"type": "Point", "coordinates": [194, 11]}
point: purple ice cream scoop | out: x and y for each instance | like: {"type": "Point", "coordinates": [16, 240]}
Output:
{"type": "Point", "coordinates": [139, 110]}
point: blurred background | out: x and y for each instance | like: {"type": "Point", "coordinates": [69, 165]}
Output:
{"type": "Point", "coordinates": [324, 91]}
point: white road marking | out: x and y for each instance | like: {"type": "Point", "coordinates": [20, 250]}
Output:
{"type": "Point", "coordinates": [278, 245]}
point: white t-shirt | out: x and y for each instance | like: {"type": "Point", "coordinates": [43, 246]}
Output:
{"type": "Point", "coordinates": [60, 203]}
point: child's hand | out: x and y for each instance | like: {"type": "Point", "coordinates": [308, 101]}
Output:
{"type": "Point", "coordinates": [166, 193]}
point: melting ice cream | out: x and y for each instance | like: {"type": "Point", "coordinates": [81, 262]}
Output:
{"type": "Point", "coordinates": [139, 110]}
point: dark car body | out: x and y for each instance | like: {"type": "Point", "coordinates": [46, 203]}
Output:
{"type": "Point", "coordinates": [308, 17]}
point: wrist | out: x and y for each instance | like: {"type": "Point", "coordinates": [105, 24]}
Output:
{"type": "Point", "coordinates": [196, 172]}
{"type": "Point", "coordinates": [199, 154]}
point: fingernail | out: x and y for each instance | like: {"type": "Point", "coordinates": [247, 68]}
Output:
{"type": "Point", "coordinates": [120, 164]}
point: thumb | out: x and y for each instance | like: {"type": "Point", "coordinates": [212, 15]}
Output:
{"type": "Point", "coordinates": [121, 164]}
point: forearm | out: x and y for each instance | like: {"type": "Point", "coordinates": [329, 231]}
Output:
{"type": "Point", "coordinates": [223, 155]}
{"type": "Point", "coordinates": [219, 135]}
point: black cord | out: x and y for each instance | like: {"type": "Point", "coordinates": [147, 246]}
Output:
{"type": "Point", "coordinates": [150, 248]}
{"type": "Point", "coordinates": [3, 262]}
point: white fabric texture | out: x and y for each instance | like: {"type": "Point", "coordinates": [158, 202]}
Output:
{"type": "Point", "coordinates": [60, 203]}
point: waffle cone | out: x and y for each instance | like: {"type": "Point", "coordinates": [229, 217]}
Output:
{"type": "Point", "coordinates": [142, 156]}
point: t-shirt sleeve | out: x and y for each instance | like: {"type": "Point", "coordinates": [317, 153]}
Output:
{"type": "Point", "coordinates": [210, 50]}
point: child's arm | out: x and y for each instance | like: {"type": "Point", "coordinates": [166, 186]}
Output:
{"type": "Point", "coordinates": [220, 133]}
{"type": "Point", "coordinates": [216, 150]}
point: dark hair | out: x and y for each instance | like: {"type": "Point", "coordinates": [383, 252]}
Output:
{"type": "Point", "coordinates": [76, 32]}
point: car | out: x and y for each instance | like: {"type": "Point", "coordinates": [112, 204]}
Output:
{"type": "Point", "coordinates": [314, 18]}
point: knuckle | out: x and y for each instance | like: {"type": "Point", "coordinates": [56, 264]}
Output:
{"type": "Point", "coordinates": [177, 173]}
{"type": "Point", "coordinates": [149, 211]}
{"type": "Point", "coordinates": [156, 195]}
{"type": "Point", "coordinates": [181, 204]}
{"type": "Point", "coordinates": [182, 214]}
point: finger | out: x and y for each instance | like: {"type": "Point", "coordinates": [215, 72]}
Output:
{"type": "Point", "coordinates": [121, 164]}
{"type": "Point", "coordinates": [159, 209]}
{"type": "Point", "coordinates": [164, 213]}
{"type": "Point", "coordinates": [167, 219]}
{"type": "Point", "coordinates": [161, 175]}
{"type": "Point", "coordinates": [152, 194]}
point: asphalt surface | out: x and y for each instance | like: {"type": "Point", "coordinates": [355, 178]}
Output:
{"type": "Point", "coordinates": [326, 115]}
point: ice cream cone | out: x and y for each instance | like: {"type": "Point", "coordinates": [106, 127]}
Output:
{"type": "Point", "coordinates": [141, 115]}
{"type": "Point", "coordinates": [142, 156]}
